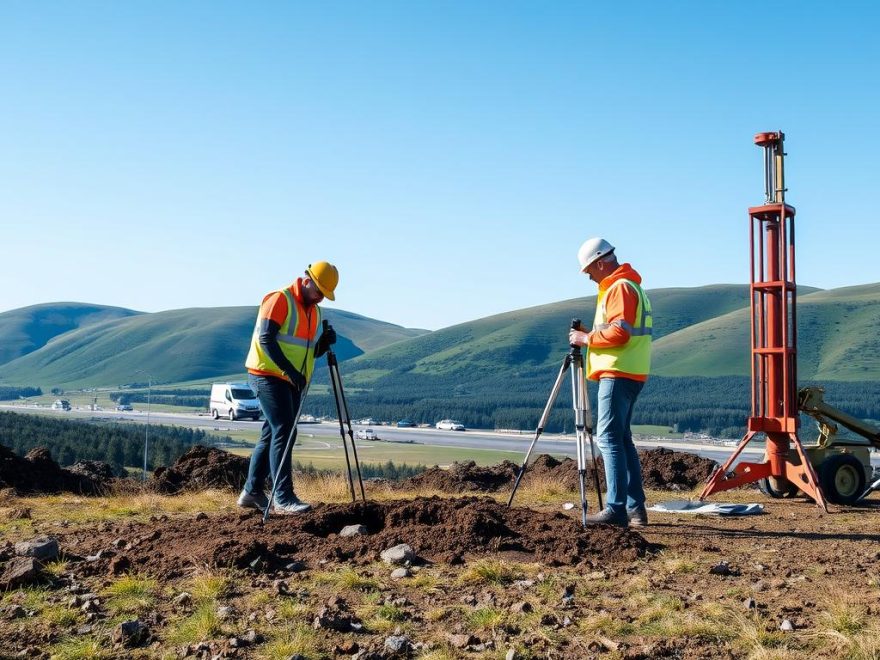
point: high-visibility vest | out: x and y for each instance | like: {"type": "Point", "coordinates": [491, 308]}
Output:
{"type": "Point", "coordinates": [296, 337]}
{"type": "Point", "coordinates": [633, 357]}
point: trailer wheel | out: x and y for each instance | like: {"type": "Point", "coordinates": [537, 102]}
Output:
{"type": "Point", "coordinates": [231, 414]}
{"type": "Point", "coordinates": [843, 478]}
{"type": "Point", "coordinates": [777, 487]}
{"type": "Point", "coordinates": [214, 414]}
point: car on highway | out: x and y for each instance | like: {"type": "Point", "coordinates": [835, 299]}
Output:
{"type": "Point", "coordinates": [61, 404]}
{"type": "Point", "coordinates": [449, 425]}
{"type": "Point", "coordinates": [406, 424]}
{"type": "Point", "coordinates": [365, 434]}
{"type": "Point", "coordinates": [122, 407]}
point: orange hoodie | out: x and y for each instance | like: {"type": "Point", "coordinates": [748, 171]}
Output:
{"type": "Point", "coordinates": [621, 303]}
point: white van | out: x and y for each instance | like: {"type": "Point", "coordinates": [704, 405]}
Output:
{"type": "Point", "coordinates": [234, 400]}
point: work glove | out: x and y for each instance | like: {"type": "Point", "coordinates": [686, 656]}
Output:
{"type": "Point", "coordinates": [578, 338]}
{"type": "Point", "coordinates": [328, 338]}
{"type": "Point", "coordinates": [297, 380]}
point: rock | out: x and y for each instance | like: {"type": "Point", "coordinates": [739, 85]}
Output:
{"type": "Point", "coordinates": [295, 567]}
{"type": "Point", "coordinates": [398, 644]}
{"type": "Point", "coordinates": [721, 568]}
{"type": "Point", "coordinates": [42, 548]}
{"type": "Point", "coordinates": [13, 612]}
{"type": "Point", "coordinates": [119, 543]}
{"type": "Point", "coordinates": [461, 641]}
{"type": "Point", "coordinates": [511, 654]}
{"type": "Point", "coordinates": [521, 607]}
{"type": "Point", "coordinates": [566, 621]}
{"type": "Point", "coordinates": [353, 530]}
{"type": "Point", "coordinates": [201, 515]}
{"type": "Point", "coordinates": [120, 565]}
{"type": "Point", "coordinates": [225, 612]}
{"type": "Point", "coordinates": [251, 636]}
{"type": "Point", "coordinates": [568, 506]}
{"type": "Point", "coordinates": [759, 586]}
{"type": "Point", "coordinates": [20, 571]}
{"type": "Point", "coordinates": [399, 554]}
{"type": "Point", "coordinates": [750, 603]}
{"type": "Point", "coordinates": [786, 626]}
{"type": "Point", "coordinates": [281, 587]}
{"type": "Point", "coordinates": [130, 633]}
{"type": "Point", "coordinates": [183, 599]}
{"type": "Point", "coordinates": [399, 573]}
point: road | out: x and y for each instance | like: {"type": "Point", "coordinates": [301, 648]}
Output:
{"type": "Point", "coordinates": [508, 441]}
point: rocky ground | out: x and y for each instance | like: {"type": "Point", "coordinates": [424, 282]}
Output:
{"type": "Point", "coordinates": [423, 573]}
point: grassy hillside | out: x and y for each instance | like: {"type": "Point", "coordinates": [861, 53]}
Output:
{"type": "Point", "coordinates": [30, 328]}
{"type": "Point", "coordinates": [837, 340]}
{"type": "Point", "coordinates": [173, 346]}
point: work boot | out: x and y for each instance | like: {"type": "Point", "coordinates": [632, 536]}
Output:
{"type": "Point", "coordinates": [638, 517]}
{"type": "Point", "coordinates": [609, 516]}
{"type": "Point", "coordinates": [248, 501]}
{"type": "Point", "coordinates": [292, 507]}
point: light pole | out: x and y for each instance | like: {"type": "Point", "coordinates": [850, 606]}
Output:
{"type": "Point", "coordinates": [147, 429]}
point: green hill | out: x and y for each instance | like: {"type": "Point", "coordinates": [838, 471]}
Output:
{"type": "Point", "coordinates": [173, 346]}
{"type": "Point", "coordinates": [28, 329]}
{"type": "Point", "coordinates": [837, 340]}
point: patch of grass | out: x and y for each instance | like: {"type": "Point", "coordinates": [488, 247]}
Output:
{"type": "Point", "coordinates": [604, 623]}
{"type": "Point", "coordinates": [438, 654]}
{"type": "Point", "coordinates": [490, 571]}
{"type": "Point", "coordinates": [56, 568]}
{"type": "Point", "coordinates": [131, 594]}
{"type": "Point", "coordinates": [844, 617]}
{"type": "Point", "coordinates": [676, 565]}
{"type": "Point", "coordinates": [486, 618]}
{"type": "Point", "coordinates": [299, 639]}
{"type": "Point", "coordinates": [757, 635]}
{"type": "Point", "coordinates": [80, 648]}
{"type": "Point", "coordinates": [290, 610]}
{"type": "Point", "coordinates": [60, 615]}
{"type": "Point", "coordinates": [424, 582]}
{"type": "Point", "coordinates": [543, 489]}
{"type": "Point", "coordinates": [348, 579]}
{"type": "Point", "coordinates": [204, 623]}
{"type": "Point", "coordinates": [208, 586]}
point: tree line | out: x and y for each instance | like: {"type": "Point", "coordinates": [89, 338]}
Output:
{"type": "Point", "coordinates": [118, 444]}
{"type": "Point", "coordinates": [11, 392]}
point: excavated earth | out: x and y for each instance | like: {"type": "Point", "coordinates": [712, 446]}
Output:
{"type": "Point", "coordinates": [37, 472]}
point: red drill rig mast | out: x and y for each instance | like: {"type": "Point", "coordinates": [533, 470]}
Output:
{"type": "Point", "coordinates": [774, 342]}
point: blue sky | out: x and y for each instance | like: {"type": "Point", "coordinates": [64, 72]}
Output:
{"type": "Point", "coordinates": [449, 157]}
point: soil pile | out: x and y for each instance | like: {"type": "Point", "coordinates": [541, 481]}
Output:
{"type": "Point", "coordinates": [662, 469]}
{"type": "Point", "coordinates": [437, 529]}
{"type": "Point", "coordinates": [665, 469]}
{"type": "Point", "coordinates": [201, 467]}
{"type": "Point", "coordinates": [37, 472]}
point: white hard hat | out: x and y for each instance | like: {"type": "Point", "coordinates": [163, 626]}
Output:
{"type": "Point", "coordinates": [593, 249]}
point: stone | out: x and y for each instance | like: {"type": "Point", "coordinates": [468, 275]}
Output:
{"type": "Point", "coordinates": [251, 636]}
{"type": "Point", "coordinates": [461, 641]}
{"type": "Point", "coordinates": [224, 612]}
{"type": "Point", "coordinates": [399, 554]}
{"type": "Point", "coordinates": [295, 567]}
{"type": "Point", "coordinates": [786, 626]}
{"type": "Point", "coordinates": [183, 599]}
{"type": "Point", "coordinates": [511, 654]}
{"type": "Point", "coordinates": [721, 568]}
{"type": "Point", "coordinates": [353, 530]}
{"type": "Point", "coordinates": [521, 607]}
{"type": "Point", "coordinates": [201, 515]}
{"type": "Point", "coordinates": [750, 603]}
{"type": "Point", "coordinates": [398, 644]}
{"type": "Point", "coordinates": [20, 571]}
{"type": "Point", "coordinates": [130, 633]}
{"type": "Point", "coordinates": [281, 587]}
{"type": "Point", "coordinates": [13, 612]}
{"type": "Point", "coordinates": [42, 548]}
{"type": "Point", "coordinates": [568, 506]}
{"type": "Point", "coordinates": [400, 573]}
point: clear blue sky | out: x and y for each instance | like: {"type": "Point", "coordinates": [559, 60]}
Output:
{"type": "Point", "coordinates": [449, 157]}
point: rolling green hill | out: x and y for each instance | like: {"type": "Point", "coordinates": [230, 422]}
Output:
{"type": "Point", "coordinates": [837, 340]}
{"type": "Point", "coordinates": [173, 346]}
{"type": "Point", "coordinates": [27, 329]}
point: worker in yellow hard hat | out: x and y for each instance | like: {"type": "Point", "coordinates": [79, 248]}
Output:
{"type": "Point", "coordinates": [280, 362]}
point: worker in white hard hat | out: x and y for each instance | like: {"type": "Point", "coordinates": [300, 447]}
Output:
{"type": "Point", "coordinates": [619, 358]}
{"type": "Point", "coordinates": [280, 362]}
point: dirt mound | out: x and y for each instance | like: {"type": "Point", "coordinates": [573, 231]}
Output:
{"type": "Point", "coordinates": [464, 477]}
{"type": "Point", "coordinates": [438, 529]}
{"type": "Point", "coordinates": [37, 472]}
{"type": "Point", "coordinates": [201, 467]}
{"type": "Point", "coordinates": [665, 469]}
{"type": "Point", "coordinates": [662, 469]}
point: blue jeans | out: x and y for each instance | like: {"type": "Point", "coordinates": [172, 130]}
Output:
{"type": "Point", "coordinates": [623, 472]}
{"type": "Point", "coordinates": [280, 403]}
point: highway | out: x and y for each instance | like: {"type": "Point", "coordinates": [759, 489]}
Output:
{"type": "Point", "coordinates": [509, 441]}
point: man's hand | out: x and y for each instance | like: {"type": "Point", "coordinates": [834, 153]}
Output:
{"type": "Point", "coordinates": [328, 338]}
{"type": "Point", "coordinates": [297, 380]}
{"type": "Point", "coordinates": [578, 338]}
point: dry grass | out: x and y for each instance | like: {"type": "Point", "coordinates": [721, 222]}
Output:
{"type": "Point", "coordinates": [298, 639]}
{"type": "Point", "coordinates": [490, 571]}
{"type": "Point", "coordinates": [131, 595]}
{"type": "Point", "coordinates": [347, 579]}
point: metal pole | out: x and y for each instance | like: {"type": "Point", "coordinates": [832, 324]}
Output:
{"type": "Point", "coordinates": [147, 429]}
{"type": "Point", "coordinates": [287, 449]}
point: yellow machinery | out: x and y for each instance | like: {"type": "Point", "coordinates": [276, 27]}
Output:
{"type": "Point", "coordinates": [842, 464]}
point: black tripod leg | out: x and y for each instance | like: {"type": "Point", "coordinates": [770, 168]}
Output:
{"type": "Point", "coordinates": [554, 392]}
{"type": "Point", "coordinates": [578, 395]}
{"type": "Point", "coordinates": [344, 407]}
{"type": "Point", "coordinates": [341, 416]}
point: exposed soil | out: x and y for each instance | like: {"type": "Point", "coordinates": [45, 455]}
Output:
{"type": "Point", "coordinates": [37, 472]}
{"type": "Point", "coordinates": [662, 469]}
{"type": "Point", "coordinates": [437, 529]}
{"type": "Point", "coordinates": [200, 468]}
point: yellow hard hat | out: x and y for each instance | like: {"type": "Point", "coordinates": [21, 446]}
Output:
{"type": "Point", "coordinates": [325, 276]}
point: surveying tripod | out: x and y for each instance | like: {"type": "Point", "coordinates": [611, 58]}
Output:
{"type": "Point", "coordinates": [344, 419]}
{"type": "Point", "coordinates": [582, 424]}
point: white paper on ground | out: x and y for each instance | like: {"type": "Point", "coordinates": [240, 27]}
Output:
{"type": "Point", "coordinates": [711, 508]}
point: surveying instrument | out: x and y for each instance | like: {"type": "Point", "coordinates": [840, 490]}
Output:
{"type": "Point", "coordinates": [582, 423]}
{"type": "Point", "coordinates": [344, 420]}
